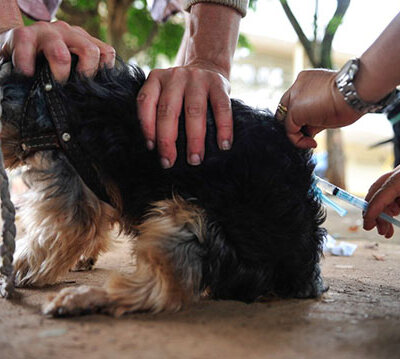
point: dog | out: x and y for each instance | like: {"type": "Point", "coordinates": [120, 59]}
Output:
{"type": "Point", "coordinates": [243, 225]}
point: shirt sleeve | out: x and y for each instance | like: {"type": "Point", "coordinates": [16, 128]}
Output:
{"type": "Point", "coordinates": [239, 5]}
{"type": "Point", "coordinates": [44, 10]}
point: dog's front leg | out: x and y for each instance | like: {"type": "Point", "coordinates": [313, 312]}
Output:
{"type": "Point", "coordinates": [62, 218]}
{"type": "Point", "coordinates": [168, 275]}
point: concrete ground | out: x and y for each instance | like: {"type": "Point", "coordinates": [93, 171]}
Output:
{"type": "Point", "coordinates": [358, 318]}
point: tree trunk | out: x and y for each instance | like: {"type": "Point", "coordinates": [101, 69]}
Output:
{"type": "Point", "coordinates": [87, 19]}
{"type": "Point", "coordinates": [336, 159]}
{"type": "Point", "coordinates": [117, 19]}
{"type": "Point", "coordinates": [320, 55]}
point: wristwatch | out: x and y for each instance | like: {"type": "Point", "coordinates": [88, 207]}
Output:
{"type": "Point", "coordinates": [345, 84]}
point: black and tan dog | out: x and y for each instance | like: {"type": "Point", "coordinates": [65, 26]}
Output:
{"type": "Point", "coordinates": [242, 225]}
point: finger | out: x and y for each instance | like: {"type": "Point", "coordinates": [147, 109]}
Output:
{"type": "Point", "coordinates": [222, 110]}
{"type": "Point", "coordinates": [195, 123]}
{"type": "Point", "coordinates": [381, 199]}
{"type": "Point", "coordinates": [168, 110]}
{"type": "Point", "coordinates": [58, 56]}
{"type": "Point", "coordinates": [393, 209]}
{"type": "Point", "coordinates": [107, 52]}
{"type": "Point", "coordinates": [79, 44]}
{"type": "Point", "coordinates": [301, 141]}
{"type": "Point", "coordinates": [285, 101]}
{"type": "Point", "coordinates": [382, 226]}
{"type": "Point", "coordinates": [376, 185]}
{"type": "Point", "coordinates": [390, 231]}
{"type": "Point", "coordinates": [22, 47]}
{"type": "Point", "coordinates": [147, 107]}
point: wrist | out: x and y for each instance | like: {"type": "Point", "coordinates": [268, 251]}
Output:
{"type": "Point", "coordinates": [10, 16]}
{"type": "Point", "coordinates": [369, 84]}
{"type": "Point", "coordinates": [210, 44]}
{"type": "Point", "coordinates": [349, 87]}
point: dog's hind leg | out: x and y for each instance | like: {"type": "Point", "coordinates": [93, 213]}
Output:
{"type": "Point", "coordinates": [168, 272]}
{"type": "Point", "coordinates": [63, 219]}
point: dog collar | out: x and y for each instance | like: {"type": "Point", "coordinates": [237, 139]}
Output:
{"type": "Point", "coordinates": [38, 133]}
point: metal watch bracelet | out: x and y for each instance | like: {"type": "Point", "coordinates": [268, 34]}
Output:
{"type": "Point", "coordinates": [345, 84]}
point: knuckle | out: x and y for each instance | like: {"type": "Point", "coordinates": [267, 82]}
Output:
{"type": "Point", "coordinates": [147, 128]}
{"type": "Point", "coordinates": [222, 107]}
{"type": "Point", "coordinates": [165, 144]}
{"type": "Point", "coordinates": [62, 25]}
{"type": "Point", "coordinates": [195, 141]}
{"type": "Point", "coordinates": [91, 51]}
{"type": "Point", "coordinates": [194, 109]}
{"type": "Point", "coordinates": [176, 73]}
{"type": "Point", "coordinates": [78, 28]}
{"type": "Point", "coordinates": [142, 98]}
{"type": "Point", "coordinates": [225, 125]}
{"type": "Point", "coordinates": [109, 51]}
{"type": "Point", "coordinates": [165, 111]}
{"type": "Point", "coordinates": [43, 24]}
{"type": "Point", "coordinates": [59, 54]}
{"type": "Point", "coordinates": [196, 72]}
{"type": "Point", "coordinates": [23, 34]}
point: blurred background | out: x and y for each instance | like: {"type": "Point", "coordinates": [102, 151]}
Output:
{"type": "Point", "coordinates": [278, 39]}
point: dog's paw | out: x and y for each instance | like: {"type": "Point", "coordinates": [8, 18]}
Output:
{"type": "Point", "coordinates": [84, 264]}
{"type": "Point", "coordinates": [76, 301]}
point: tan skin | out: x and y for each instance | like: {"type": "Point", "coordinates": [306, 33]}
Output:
{"type": "Point", "coordinates": [314, 103]}
{"type": "Point", "coordinates": [55, 40]}
{"type": "Point", "coordinates": [206, 62]}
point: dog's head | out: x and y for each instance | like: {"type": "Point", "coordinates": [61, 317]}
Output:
{"type": "Point", "coordinates": [91, 120]}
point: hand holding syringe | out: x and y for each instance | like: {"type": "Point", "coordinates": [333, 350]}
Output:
{"type": "Point", "coordinates": [349, 198]}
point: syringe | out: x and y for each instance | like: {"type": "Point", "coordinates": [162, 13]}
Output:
{"type": "Point", "coordinates": [349, 198]}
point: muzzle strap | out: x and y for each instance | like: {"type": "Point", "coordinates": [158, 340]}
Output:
{"type": "Point", "coordinates": [38, 135]}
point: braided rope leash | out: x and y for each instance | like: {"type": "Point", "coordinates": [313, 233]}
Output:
{"type": "Point", "coordinates": [7, 246]}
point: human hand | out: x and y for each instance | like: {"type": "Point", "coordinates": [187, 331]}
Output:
{"type": "Point", "coordinates": [56, 40]}
{"type": "Point", "coordinates": [160, 103]}
{"type": "Point", "coordinates": [314, 103]}
{"type": "Point", "coordinates": [383, 196]}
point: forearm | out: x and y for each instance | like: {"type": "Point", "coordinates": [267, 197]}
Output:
{"type": "Point", "coordinates": [379, 71]}
{"type": "Point", "coordinates": [10, 16]}
{"type": "Point", "coordinates": [213, 35]}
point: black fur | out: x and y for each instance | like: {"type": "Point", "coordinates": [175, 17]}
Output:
{"type": "Point", "coordinates": [263, 235]}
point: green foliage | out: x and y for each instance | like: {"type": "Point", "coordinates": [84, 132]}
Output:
{"type": "Point", "coordinates": [252, 4]}
{"type": "Point", "coordinates": [141, 30]}
{"type": "Point", "coordinates": [84, 4]}
{"type": "Point", "coordinates": [27, 20]}
{"type": "Point", "coordinates": [244, 42]}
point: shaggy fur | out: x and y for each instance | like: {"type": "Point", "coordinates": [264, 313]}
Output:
{"type": "Point", "coordinates": [242, 225]}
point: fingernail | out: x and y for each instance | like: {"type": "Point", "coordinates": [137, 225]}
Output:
{"type": "Point", "coordinates": [141, 97]}
{"type": "Point", "coordinates": [165, 163]}
{"type": "Point", "coordinates": [150, 145]}
{"type": "Point", "coordinates": [194, 159]}
{"type": "Point", "coordinates": [225, 145]}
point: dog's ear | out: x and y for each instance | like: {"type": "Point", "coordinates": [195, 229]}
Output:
{"type": "Point", "coordinates": [11, 106]}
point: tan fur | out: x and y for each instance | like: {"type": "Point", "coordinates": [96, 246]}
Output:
{"type": "Point", "coordinates": [55, 236]}
{"type": "Point", "coordinates": [10, 145]}
{"type": "Point", "coordinates": [155, 285]}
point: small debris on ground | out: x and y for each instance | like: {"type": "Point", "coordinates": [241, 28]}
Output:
{"type": "Point", "coordinates": [372, 246]}
{"type": "Point", "coordinates": [379, 257]}
{"type": "Point", "coordinates": [344, 266]}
